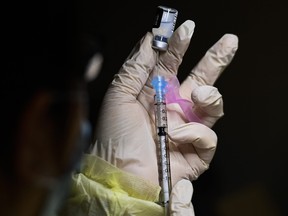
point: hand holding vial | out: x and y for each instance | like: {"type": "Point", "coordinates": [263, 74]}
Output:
{"type": "Point", "coordinates": [125, 132]}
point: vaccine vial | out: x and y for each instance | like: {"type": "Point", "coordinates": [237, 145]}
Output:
{"type": "Point", "coordinates": [163, 27]}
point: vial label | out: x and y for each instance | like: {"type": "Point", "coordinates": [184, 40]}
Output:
{"type": "Point", "coordinates": [158, 18]}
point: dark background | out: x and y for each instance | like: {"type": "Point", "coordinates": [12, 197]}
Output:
{"type": "Point", "coordinates": [248, 175]}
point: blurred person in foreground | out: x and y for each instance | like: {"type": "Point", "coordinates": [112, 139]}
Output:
{"type": "Point", "coordinates": [44, 121]}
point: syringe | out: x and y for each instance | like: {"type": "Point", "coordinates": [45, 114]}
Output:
{"type": "Point", "coordinates": [159, 85]}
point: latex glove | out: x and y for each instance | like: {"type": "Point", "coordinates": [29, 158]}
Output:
{"type": "Point", "coordinates": [125, 133]}
{"type": "Point", "coordinates": [180, 199]}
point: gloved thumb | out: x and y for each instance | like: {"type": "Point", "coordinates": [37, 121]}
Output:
{"type": "Point", "coordinates": [181, 199]}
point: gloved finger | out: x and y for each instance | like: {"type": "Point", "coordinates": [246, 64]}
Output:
{"type": "Point", "coordinates": [180, 199]}
{"type": "Point", "coordinates": [197, 143]}
{"type": "Point", "coordinates": [210, 67]}
{"type": "Point", "coordinates": [208, 104]}
{"type": "Point", "coordinates": [134, 72]}
{"type": "Point", "coordinates": [170, 60]}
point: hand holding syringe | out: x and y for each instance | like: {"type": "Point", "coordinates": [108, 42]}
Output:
{"type": "Point", "coordinates": [126, 134]}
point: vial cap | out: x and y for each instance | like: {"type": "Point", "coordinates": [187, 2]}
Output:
{"type": "Point", "coordinates": [160, 45]}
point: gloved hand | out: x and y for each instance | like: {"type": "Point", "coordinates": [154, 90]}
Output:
{"type": "Point", "coordinates": [125, 132]}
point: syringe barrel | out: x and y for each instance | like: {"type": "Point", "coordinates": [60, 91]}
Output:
{"type": "Point", "coordinates": [163, 153]}
{"type": "Point", "coordinates": [160, 114]}
{"type": "Point", "coordinates": [159, 85]}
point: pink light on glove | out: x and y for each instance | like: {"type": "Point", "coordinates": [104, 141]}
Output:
{"type": "Point", "coordinates": [173, 96]}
